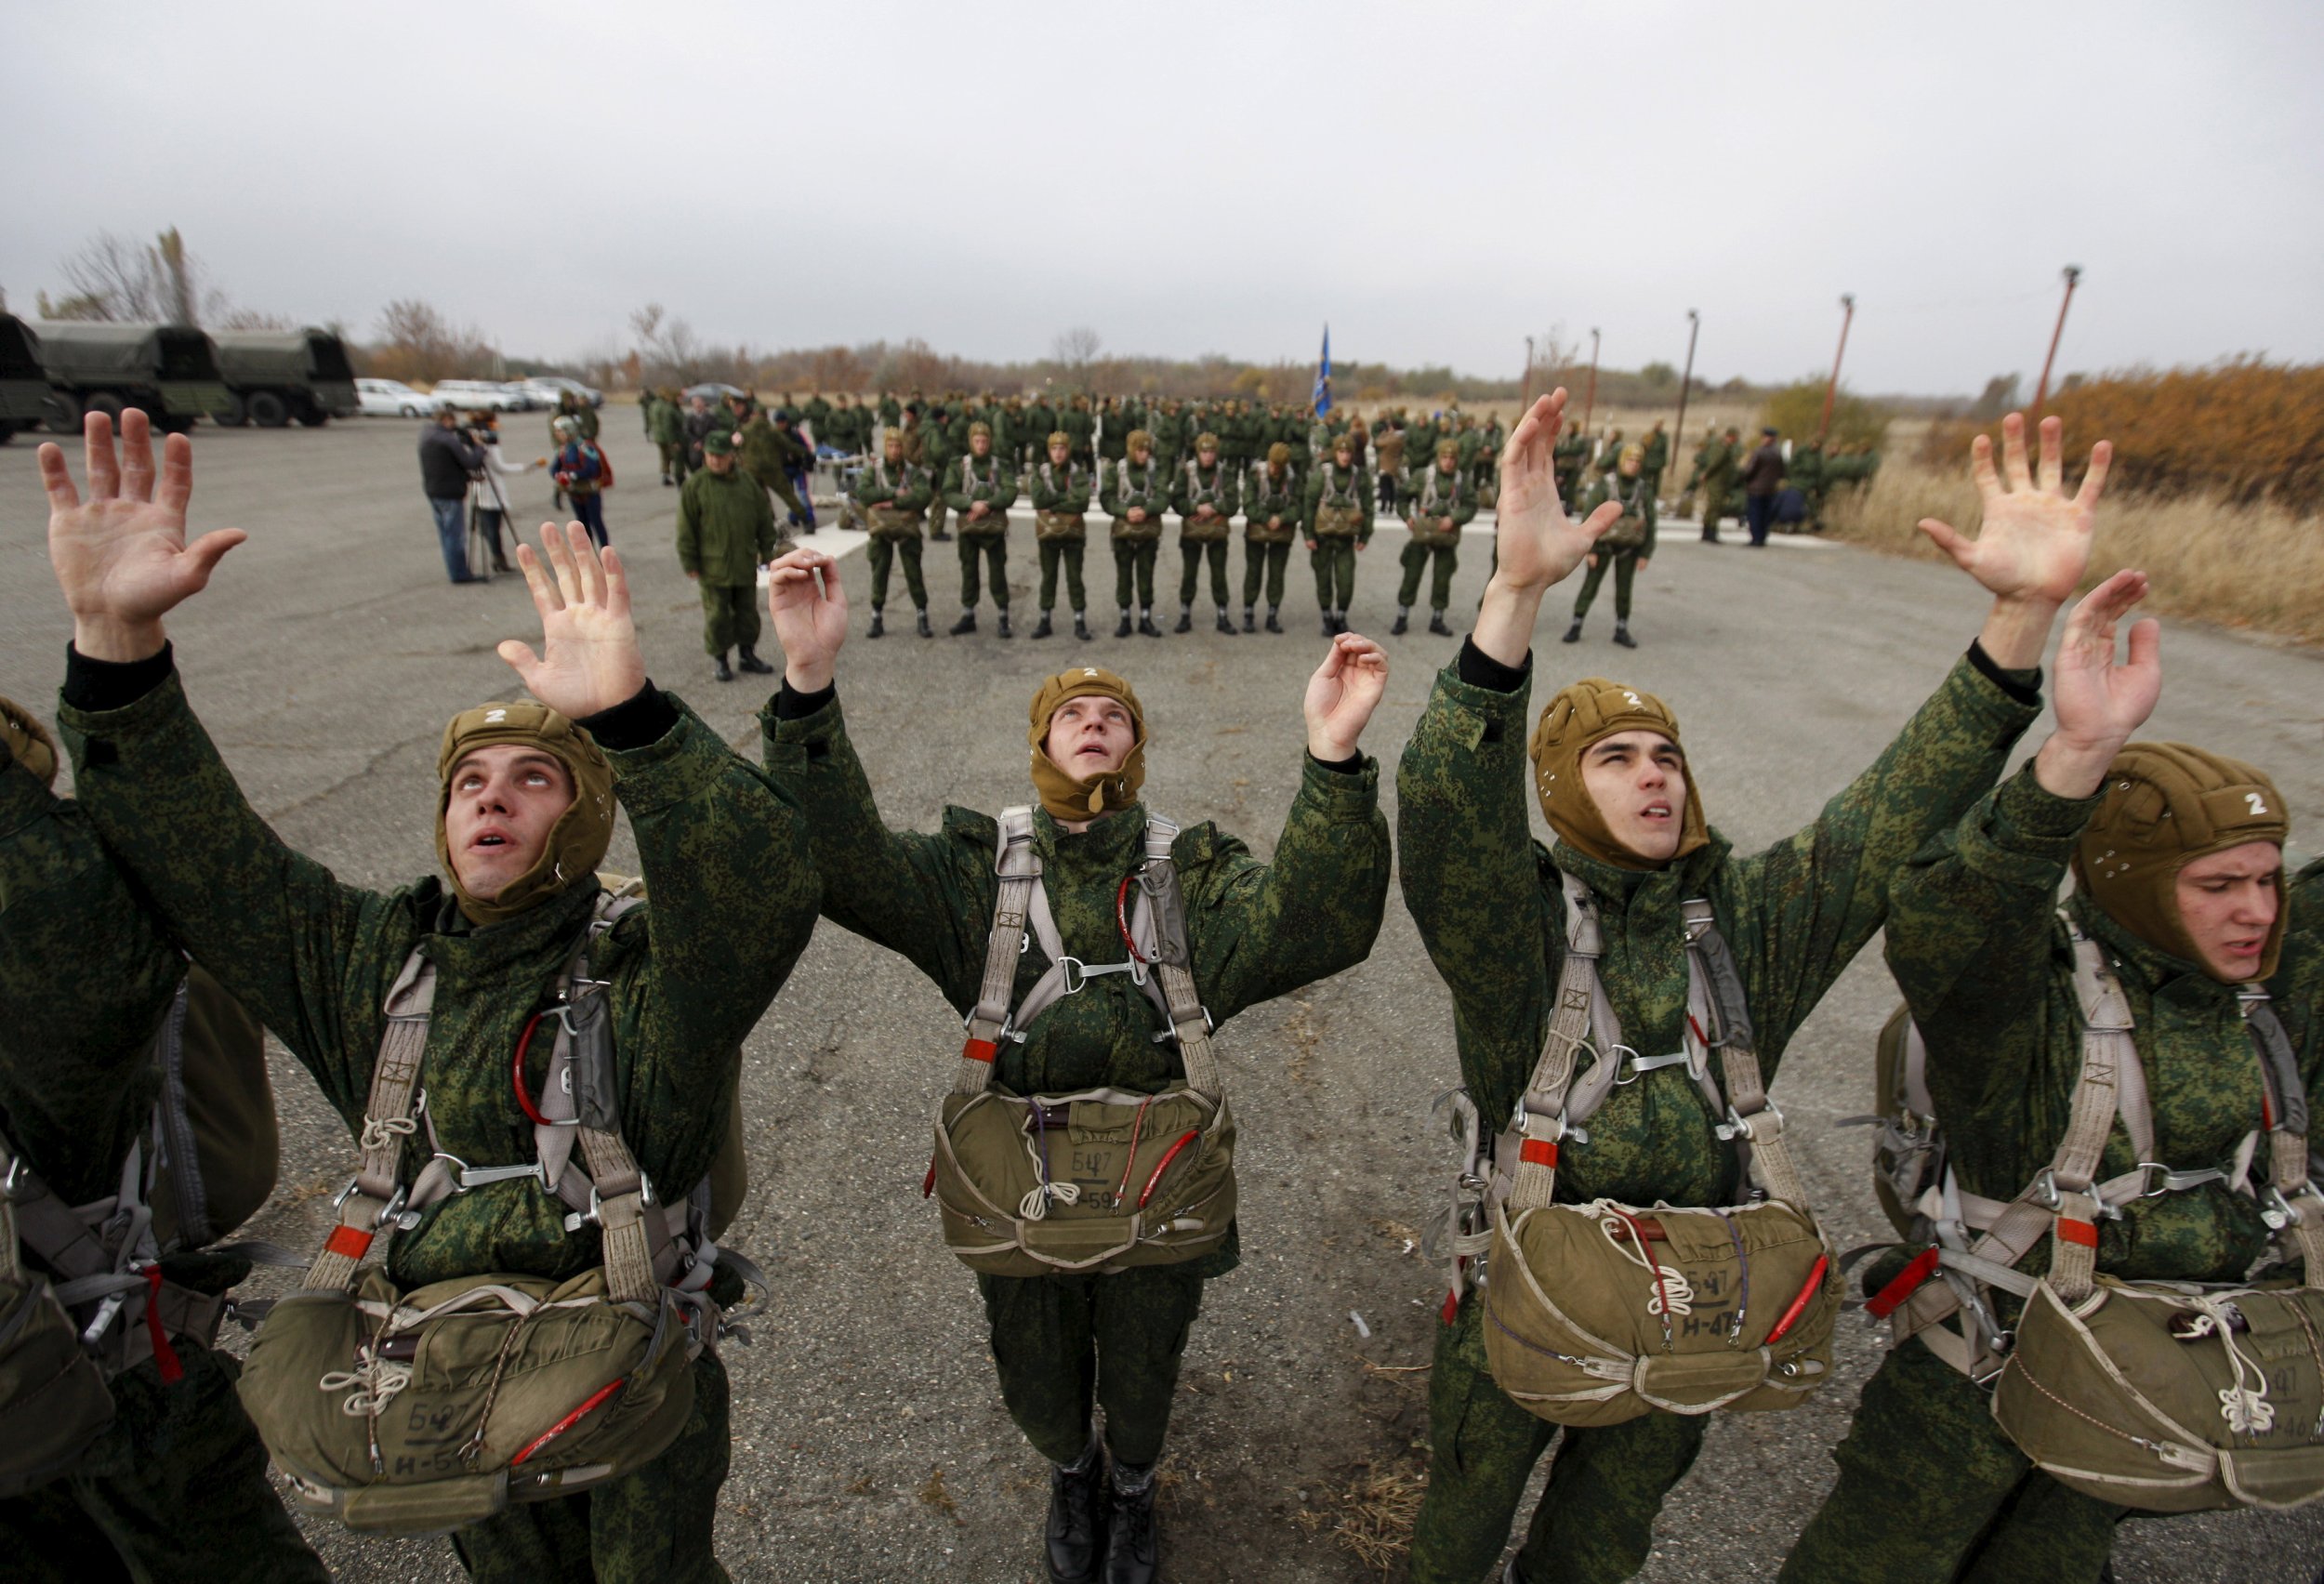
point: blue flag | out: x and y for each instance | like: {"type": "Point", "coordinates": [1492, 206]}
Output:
{"type": "Point", "coordinates": [1323, 377]}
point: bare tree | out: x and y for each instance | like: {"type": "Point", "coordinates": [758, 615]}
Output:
{"type": "Point", "coordinates": [1076, 348]}
{"type": "Point", "coordinates": [113, 278]}
{"type": "Point", "coordinates": [417, 342]}
{"type": "Point", "coordinates": [668, 351]}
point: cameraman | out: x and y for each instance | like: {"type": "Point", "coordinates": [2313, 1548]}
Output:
{"type": "Point", "coordinates": [488, 500]}
{"type": "Point", "coordinates": [447, 457]}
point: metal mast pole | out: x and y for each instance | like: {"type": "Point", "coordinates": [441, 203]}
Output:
{"type": "Point", "coordinates": [1678, 435]}
{"type": "Point", "coordinates": [1589, 402]}
{"type": "Point", "coordinates": [2041, 392]}
{"type": "Point", "coordinates": [1823, 426]}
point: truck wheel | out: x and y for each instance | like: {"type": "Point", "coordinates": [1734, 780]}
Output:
{"type": "Point", "coordinates": [309, 415]}
{"type": "Point", "coordinates": [7, 431]}
{"type": "Point", "coordinates": [105, 402]}
{"type": "Point", "coordinates": [60, 410]}
{"type": "Point", "coordinates": [235, 414]}
{"type": "Point", "coordinates": [175, 423]}
{"type": "Point", "coordinates": [266, 409]}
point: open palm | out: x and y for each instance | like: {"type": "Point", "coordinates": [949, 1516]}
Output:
{"type": "Point", "coordinates": [2100, 700]}
{"type": "Point", "coordinates": [1539, 544]}
{"type": "Point", "coordinates": [2034, 542]}
{"type": "Point", "coordinates": [121, 555]}
{"type": "Point", "coordinates": [589, 658]}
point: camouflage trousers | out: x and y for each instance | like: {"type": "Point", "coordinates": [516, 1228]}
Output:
{"type": "Point", "coordinates": [777, 482]}
{"type": "Point", "coordinates": [729, 616]}
{"type": "Point", "coordinates": [1334, 561]}
{"type": "Point", "coordinates": [1267, 561]}
{"type": "Point", "coordinates": [883, 554]}
{"type": "Point", "coordinates": [1136, 556]}
{"type": "Point", "coordinates": [1625, 565]}
{"type": "Point", "coordinates": [1595, 1522]}
{"type": "Point", "coordinates": [1068, 552]}
{"type": "Point", "coordinates": [1193, 552]}
{"type": "Point", "coordinates": [1066, 1344]}
{"type": "Point", "coordinates": [649, 1527]}
{"type": "Point", "coordinates": [979, 551]}
{"type": "Point", "coordinates": [1416, 559]}
{"type": "Point", "coordinates": [175, 1493]}
{"type": "Point", "coordinates": [1931, 1492]}
{"type": "Point", "coordinates": [674, 460]}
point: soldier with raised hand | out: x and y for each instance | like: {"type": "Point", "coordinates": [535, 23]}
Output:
{"type": "Point", "coordinates": [525, 812]}
{"type": "Point", "coordinates": [176, 1488]}
{"type": "Point", "coordinates": [1274, 508]}
{"type": "Point", "coordinates": [1135, 492]}
{"type": "Point", "coordinates": [1205, 497]}
{"type": "Point", "coordinates": [1067, 1344]}
{"type": "Point", "coordinates": [1437, 505]}
{"type": "Point", "coordinates": [1337, 524]}
{"type": "Point", "coordinates": [1060, 502]}
{"type": "Point", "coordinates": [1626, 806]}
{"type": "Point", "coordinates": [725, 534]}
{"type": "Point", "coordinates": [891, 494]}
{"type": "Point", "coordinates": [981, 488]}
{"type": "Point", "coordinates": [1626, 548]}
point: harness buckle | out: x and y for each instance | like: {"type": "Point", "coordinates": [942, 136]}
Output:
{"type": "Point", "coordinates": [392, 1211]}
{"type": "Point", "coordinates": [2277, 1211]}
{"type": "Point", "coordinates": [2045, 1188]}
{"type": "Point", "coordinates": [2167, 1180]}
{"type": "Point", "coordinates": [11, 1186]}
{"type": "Point", "coordinates": [1738, 1125]}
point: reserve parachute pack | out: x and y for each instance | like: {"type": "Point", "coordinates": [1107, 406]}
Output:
{"type": "Point", "coordinates": [1103, 1179]}
{"type": "Point", "coordinates": [1340, 510]}
{"type": "Point", "coordinates": [425, 1411]}
{"type": "Point", "coordinates": [1427, 506]}
{"type": "Point", "coordinates": [2159, 1395]}
{"type": "Point", "coordinates": [1629, 532]}
{"type": "Point", "coordinates": [1600, 1313]}
{"type": "Point", "coordinates": [92, 1301]}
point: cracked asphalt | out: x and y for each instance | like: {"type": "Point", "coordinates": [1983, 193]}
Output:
{"type": "Point", "coordinates": [869, 1439]}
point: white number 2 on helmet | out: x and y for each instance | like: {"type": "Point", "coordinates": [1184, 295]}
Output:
{"type": "Point", "coordinates": [1635, 701]}
{"type": "Point", "coordinates": [2258, 807]}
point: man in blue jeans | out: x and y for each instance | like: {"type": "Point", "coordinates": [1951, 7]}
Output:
{"type": "Point", "coordinates": [447, 458]}
{"type": "Point", "coordinates": [1763, 476]}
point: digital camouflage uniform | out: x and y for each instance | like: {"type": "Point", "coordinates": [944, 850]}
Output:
{"type": "Point", "coordinates": [1487, 898]}
{"type": "Point", "coordinates": [1196, 486]}
{"type": "Point", "coordinates": [1638, 502]}
{"type": "Point", "coordinates": [1269, 498]}
{"type": "Point", "coordinates": [1060, 501]}
{"type": "Point", "coordinates": [1136, 544]}
{"type": "Point", "coordinates": [1930, 1489]}
{"type": "Point", "coordinates": [176, 1491]}
{"type": "Point", "coordinates": [1337, 489]}
{"type": "Point", "coordinates": [892, 496]}
{"type": "Point", "coordinates": [725, 856]}
{"type": "Point", "coordinates": [725, 534]}
{"type": "Point", "coordinates": [1255, 931]}
{"type": "Point", "coordinates": [985, 542]}
{"type": "Point", "coordinates": [1429, 498]}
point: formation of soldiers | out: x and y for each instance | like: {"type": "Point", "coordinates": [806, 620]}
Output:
{"type": "Point", "coordinates": [2098, 1109]}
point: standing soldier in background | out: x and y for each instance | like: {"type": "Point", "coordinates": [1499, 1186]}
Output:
{"type": "Point", "coordinates": [1809, 473]}
{"type": "Point", "coordinates": [1114, 427]}
{"type": "Point", "coordinates": [1719, 481]}
{"type": "Point", "coordinates": [1485, 473]}
{"type": "Point", "coordinates": [700, 421]}
{"type": "Point", "coordinates": [1763, 476]}
{"type": "Point", "coordinates": [1436, 508]}
{"type": "Point", "coordinates": [768, 453]}
{"type": "Point", "coordinates": [667, 425]}
{"type": "Point", "coordinates": [1609, 455]}
{"type": "Point", "coordinates": [1689, 496]}
{"type": "Point", "coordinates": [981, 488]}
{"type": "Point", "coordinates": [725, 534]}
{"type": "Point", "coordinates": [1080, 427]}
{"type": "Point", "coordinates": [1060, 502]}
{"type": "Point", "coordinates": [1339, 524]}
{"type": "Point", "coordinates": [1387, 443]}
{"type": "Point", "coordinates": [1028, 441]}
{"type": "Point", "coordinates": [1567, 458]}
{"type": "Point", "coordinates": [891, 410]}
{"type": "Point", "coordinates": [1136, 491]}
{"type": "Point", "coordinates": [1655, 461]}
{"type": "Point", "coordinates": [818, 412]}
{"type": "Point", "coordinates": [1170, 436]}
{"type": "Point", "coordinates": [1626, 546]}
{"type": "Point", "coordinates": [1205, 501]}
{"type": "Point", "coordinates": [1272, 514]}
{"type": "Point", "coordinates": [891, 494]}
{"type": "Point", "coordinates": [937, 450]}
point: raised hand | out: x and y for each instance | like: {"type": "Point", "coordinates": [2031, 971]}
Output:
{"type": "Point", "coordinates": [1538, 543]}
{"type": "Point", "coordinates": [2100, 700]}
{"type": "Point", "coordinates": [121, 556]}
{"type": "Point", "coordinates": [808, 610]}
{"type": "Point", "coordinates": [1341, 695]}
{"type": "Point", "coordinates": [589, 658]}
{"type": "Point", "coordinates": [2034, 543]}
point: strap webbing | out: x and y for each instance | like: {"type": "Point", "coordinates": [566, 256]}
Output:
{"type": "Point", "coordinates": [1020, 870]}
{"type": "Point", "coordinates": [386, 1121]}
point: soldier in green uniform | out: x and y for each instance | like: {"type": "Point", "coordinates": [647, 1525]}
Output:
{"type": "Point", "coordinates": [1029, 442]}
{"type": "Point", "coordinates": [1609, 455]}
{"type": "Point", "coordinates": [891, 410]}
{"type": "Point", "coordinates": [1703, 453]}
{"type": "Point", "coordinates": [1570, 454]}
{"type": "Point", "coordinates": [175, 1489]}
{"type": "Point", "coordinates": [769, 452]}
{"type": "Point", "coordinates": [944, 432]}
{"type": "Point", "coordinates": [891, 494]}
{"type": "Point", "coordinates": [1066, 1345]}
{"type": "Point", "coordinates": [1488, 457]}
{"type": "Point", "coordinates": [981, 488]}
{"type": "Point", "coordinates": [1807, 472]}
{"type": "Point", "coordinates": [1114, 427]}
{"type": "Point", "coordinates": [1061, 488]}
{"type": "Point", "coordinates": [1135, 492]}
{"type": "Point", "coordinates": [1388, 451]}
{"type": "Point", "coordinates": [1626, 806]}
{"type": "Point", "coordinates": [1627, 547]}
{"type": "Point", "coordinates": [725, 534]}
{"type": "Point", "coordinates": [670, 437]}
{"type": "Point", "coordinates": [1274, 510]}
{"type": "Point", "coordinates": [1080, 427]}
{"type": "Point", "coordinates": [1654, 460]}
{"type": "Point", "coordinates": [528, 799]}
{"type": "Point", "coordinates": [1337, 524]}
{"type": "Point", "coordinates": [1205, 498]}
{"type": "Point", "coordinates": [1724, 467]}
{"type": "Point", "coordinates": [816, 411]}
{"type": "Point", "coordinates": [1436, 507]}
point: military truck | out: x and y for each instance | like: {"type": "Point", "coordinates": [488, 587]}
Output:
{"type": "Point", "coordinates": [24, 382]}
{"type": "Point", "coordinates": [275, 376]}
{"type": "Point", "coordinates": [169, 370]}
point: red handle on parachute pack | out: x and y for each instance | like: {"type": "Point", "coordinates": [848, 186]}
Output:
{"type": "Point", "coordinates": [1162, 1164]}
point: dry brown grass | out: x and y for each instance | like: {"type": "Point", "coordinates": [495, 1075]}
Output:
{"type": "Point", "coordinates": [1371, 1517]}
{"type": "Point", "coordinates": [2260, 567]}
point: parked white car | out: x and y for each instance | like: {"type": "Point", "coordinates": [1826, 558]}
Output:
{"type": "Point", "coordinates": [392, 399]}
{"type": "Point", "coordinates": [550, 388]}
{"type": "Point", "coordinates": [478, 395]}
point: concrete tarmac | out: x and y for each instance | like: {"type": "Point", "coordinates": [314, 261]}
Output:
{"type": "Point", "coordinates": [869, 1439]}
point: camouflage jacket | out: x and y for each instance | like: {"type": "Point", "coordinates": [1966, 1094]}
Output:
{"type": "Point", "coordinates": [1974, 940]}
{"type": "Point", "coordinates": [733, 888]}
{"type": "Point", "coordinates": [1256, 930]}
{"type": "Point", "coordinates": [1486, 897]}
{"type": "Point", "coordinates": [725, 528]}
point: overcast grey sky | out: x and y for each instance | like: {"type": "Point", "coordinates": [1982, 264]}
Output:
{"type": "Point", "coordinates": [1437, 180]}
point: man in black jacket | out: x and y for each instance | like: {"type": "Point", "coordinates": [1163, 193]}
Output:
{"type": "Point", "coordinates": [1763, 476]}
{"type": "Point", "coordinates": [447, 458]}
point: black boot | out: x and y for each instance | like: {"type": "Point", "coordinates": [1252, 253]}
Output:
{"type": "Point", "coordinates": [1251, 622]}
{"type": "Point", "coordinates": [1132, 1544]}
{"type": "Point", "coordinates": [1622, 636]}
{"type": "Point", "coordinates": [1042, 629]}
{"type": "Point", "coordinates": [1000, 623]}
{"type": "Point", "coordinates": [1328, 629]}
{"type": "Point", "coordinates": [1339, 622]}
{"type": "Point", "coordinates": [1185, 620]}
{"type": "Point", "coordinates": [721, 671]}
{"type": "Point", "coordinates": [1145, 623]}
{"type": "Point", "coordinates": [879, 624]}
{"type": "Point", "coordinates": [926, 631]}
{"type": "Point", "coordinates": [1124, 630]}
{"type": "Point", "coordinates": [1436, 625]}
{"type": "Point", "coordinates": [1074, 1534]}
{"type": "Point", "coordinates": [1404, 622]}
{"type": "Point", "coordinates": [1273, 624]}
{"type": "Point", "coordinates": [1573, 634]}
{"type": "Point", "coordinates": [966, 623]}
{"type": "Point", "coordinates": [1226, 623]}
{"type": "Point", "coordinates": [1081, 627]}
{"type": "Point", "coordinates": [752, 662]}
